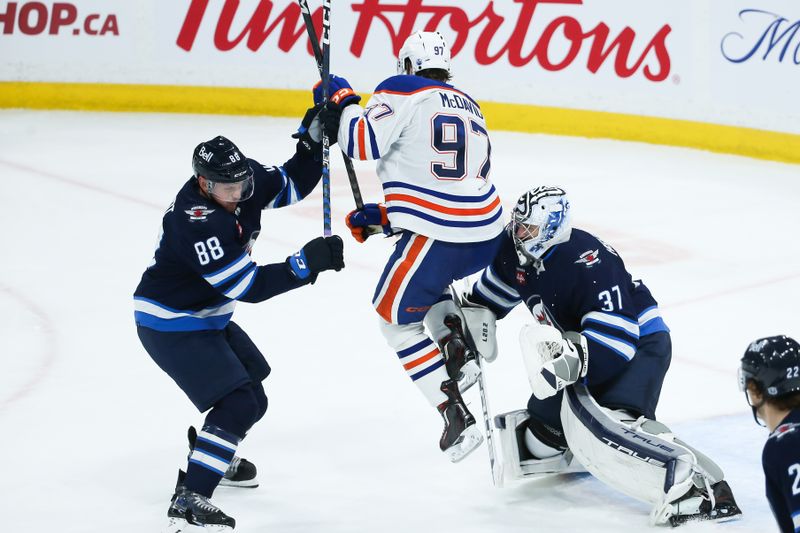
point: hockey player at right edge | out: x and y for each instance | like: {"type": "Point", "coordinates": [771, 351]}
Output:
{"type": "Point", "coordinates": [596, 361]}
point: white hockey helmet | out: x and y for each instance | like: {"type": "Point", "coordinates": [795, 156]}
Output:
{"type": "Point", "coordinates": [539, 221]}
{"type": "Point", "coordinates": [425, 49]}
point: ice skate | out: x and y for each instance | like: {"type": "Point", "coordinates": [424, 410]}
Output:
{"type": "Point", "coordinates": [460, 360]}
{"type": "Point", "coordinates": [189, 507]}
{"type": "Point", "coordinates": [241, 472]}
{"type": "Point", "coordinates": [461, 436]}
{"type": "Point", "coordinates": [696, 505]}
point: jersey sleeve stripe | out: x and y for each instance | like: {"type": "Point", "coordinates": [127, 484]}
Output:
{"type": "Point", "coordinates": [224, 274]}
{"type": "Point", "coordinates": [612, 320]}
{"type": "Point", "coordinates": [372, 141]}
{"type": "Point", "coordinates": [510, 292]}
{"type": "Point", "coordinates": [444, 222]}
{"type": "Point", "coordinates": [443, 209]}
{"type": "Point", "coordinates": [619, 347]}
{"type": "Point", "coordinates": [486, 282]}
{"type": "Point", "coordinates": [490, 296]}
{"type": "Point", "coordinates": [362, 148]}
{"type": "Point", "coordinates": [443, 196]}
{"type": "Point", "coordinates": [351, 138]}
{"type": "Point", "coordinates": [241, 288]}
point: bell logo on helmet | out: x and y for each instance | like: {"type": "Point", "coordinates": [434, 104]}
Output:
{"type": "Point", "coordinates": [205, 154]}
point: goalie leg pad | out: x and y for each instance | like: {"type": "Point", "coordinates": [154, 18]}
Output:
{"type": "Point", "coordinates": [638, 457]}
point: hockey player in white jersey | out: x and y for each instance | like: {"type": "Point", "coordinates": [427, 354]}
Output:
{"type": "Point", "coordinates": [433, 159]}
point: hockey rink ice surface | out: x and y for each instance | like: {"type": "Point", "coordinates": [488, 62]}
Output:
{"type": "Point", "coordinates": [93, 432]}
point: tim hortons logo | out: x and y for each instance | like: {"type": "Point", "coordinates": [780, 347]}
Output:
{"type": "Point", "coordinates": [521, 48]}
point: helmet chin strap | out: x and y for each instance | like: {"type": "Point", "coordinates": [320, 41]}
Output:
{"type": "Point", "coordinates": [755, 409]}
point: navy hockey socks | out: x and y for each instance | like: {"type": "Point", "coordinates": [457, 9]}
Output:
{"type": "Point", "coordinates": [212, 454]}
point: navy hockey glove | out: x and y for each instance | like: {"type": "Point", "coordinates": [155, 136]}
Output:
{"type": "Point", "coordinates": [339, 92]}
{"type": "Point", "coordinates": [330, 116]}
{"type": "Point", "coordinates": [309, 134]}
{"type": "Point", "coordinates": [320, 254]}
{"type": "Point", "coordinates": [369, 220]}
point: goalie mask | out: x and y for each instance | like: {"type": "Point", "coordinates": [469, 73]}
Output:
{"type": "Point", "coordinates": [424, 49]}
{"type": "Point", "coordinates": [226, 170]}
{"type": "Point", "coordinates": [539, 221]}
{"type": "Point", "coordinates": [773, 363]}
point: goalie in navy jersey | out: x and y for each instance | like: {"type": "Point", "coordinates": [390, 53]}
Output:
{"type": "Point", "coordinates": [201, 269]}
{"type": "Point", "coordinates": [596, 360]}
{"type": "Point", "coordinates": [770, 377]}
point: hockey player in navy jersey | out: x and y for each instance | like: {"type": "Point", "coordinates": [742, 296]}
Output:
{"type": "Point", "coordinates": [596, 359]}
{"type": "Point", "coordinates": [432, 149]}
{"type": "Point", "coordinates": [770, 377]}
{"type": "Point", "coordinates": [201, 269]}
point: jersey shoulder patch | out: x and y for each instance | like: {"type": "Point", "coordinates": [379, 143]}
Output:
{"type": "Point", "coordinates": [784, 430]}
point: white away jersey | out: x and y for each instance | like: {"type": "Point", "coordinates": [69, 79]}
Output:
{"type": "Point", "coordinates": [433, 153]}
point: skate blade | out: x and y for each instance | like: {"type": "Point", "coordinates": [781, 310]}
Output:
{"type": "Point", "coordinates": [469, 441]}
{"type": "Point", "coordinates": [470, 373]}
{"type": "Point", "coordinates": [246, 484]}
{"type": "Point", "coordinates": [176, 525]}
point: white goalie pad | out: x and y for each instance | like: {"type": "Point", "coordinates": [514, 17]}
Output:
{"type": "Point", "coordinates": [482, 325]}
{"type": "Point", "coordinates": [640, 458]}
{"type": "Point", "coordinates": [517, 461]}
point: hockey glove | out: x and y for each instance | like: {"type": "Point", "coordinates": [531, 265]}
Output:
{"type": "Point", "coordinates": [369, 220]}
{"type": "Point", "coordinates": [309, 134]}
{"type": "Point", "coordinates": [553, 360]}
{"type": "Point", "coordinates": [330, 116]}
{"type": "Point", "coordinates": [339, 92]}
{"type": "Point", "coordinates": [319, 255]}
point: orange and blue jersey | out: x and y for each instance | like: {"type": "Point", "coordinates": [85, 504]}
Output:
{"type": "Point", "coordinates": [433, 158]}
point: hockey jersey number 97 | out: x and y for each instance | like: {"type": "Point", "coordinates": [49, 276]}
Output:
{"type": "Point", "coordinates": [433, 158]}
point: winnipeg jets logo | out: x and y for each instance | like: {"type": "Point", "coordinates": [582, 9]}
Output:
{"type": "Point", "coordinates": [589, 258]}
{"type": "Point", "coordinates": [198, 213]}
{"type": "Point", "coordinates": [540, 314]}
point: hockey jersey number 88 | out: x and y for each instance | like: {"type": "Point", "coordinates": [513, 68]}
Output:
{"type": "Point", "coordinates": [434, 157]}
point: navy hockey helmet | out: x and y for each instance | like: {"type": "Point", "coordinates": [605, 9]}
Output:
{"type": "Point", "coordinates": [540, 220]}
{"type": "Point", "coordinates": [773, 363]}
{"type": "Point", "coordinates": [226, 169]}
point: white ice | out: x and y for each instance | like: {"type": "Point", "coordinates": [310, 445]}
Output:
{"type": "Point", "coordinates": [92, 432]}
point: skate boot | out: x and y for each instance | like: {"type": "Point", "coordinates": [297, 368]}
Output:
{"type": "Point", "coordinates": [697, 505]}
{"type": "Point", "coordinates": [241, 472]}
{"type": "Point", "coordinates": [460, 435]}
{"type": "Point", "coordinates": [460, 360]}
{"type": "Point", "coordinates": [189, 507]}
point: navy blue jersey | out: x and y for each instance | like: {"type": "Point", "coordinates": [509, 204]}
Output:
{"type": "Point", "coordinates": [580, 285]}
{"type": "Point", "coordinates": [202, 265]}
{"type": "Point", "coordinates": [781, 461]}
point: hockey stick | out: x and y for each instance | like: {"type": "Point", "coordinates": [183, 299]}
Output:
{"type": "Point", "coordinates": [326, 163]}
{"type": "Point", "coordinates": [312, 36]}
{"type": "Point", "coordinates": [495, 465]}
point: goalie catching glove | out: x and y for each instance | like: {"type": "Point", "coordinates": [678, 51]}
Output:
{"type": "Point", "coordinates": [553, 360]}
